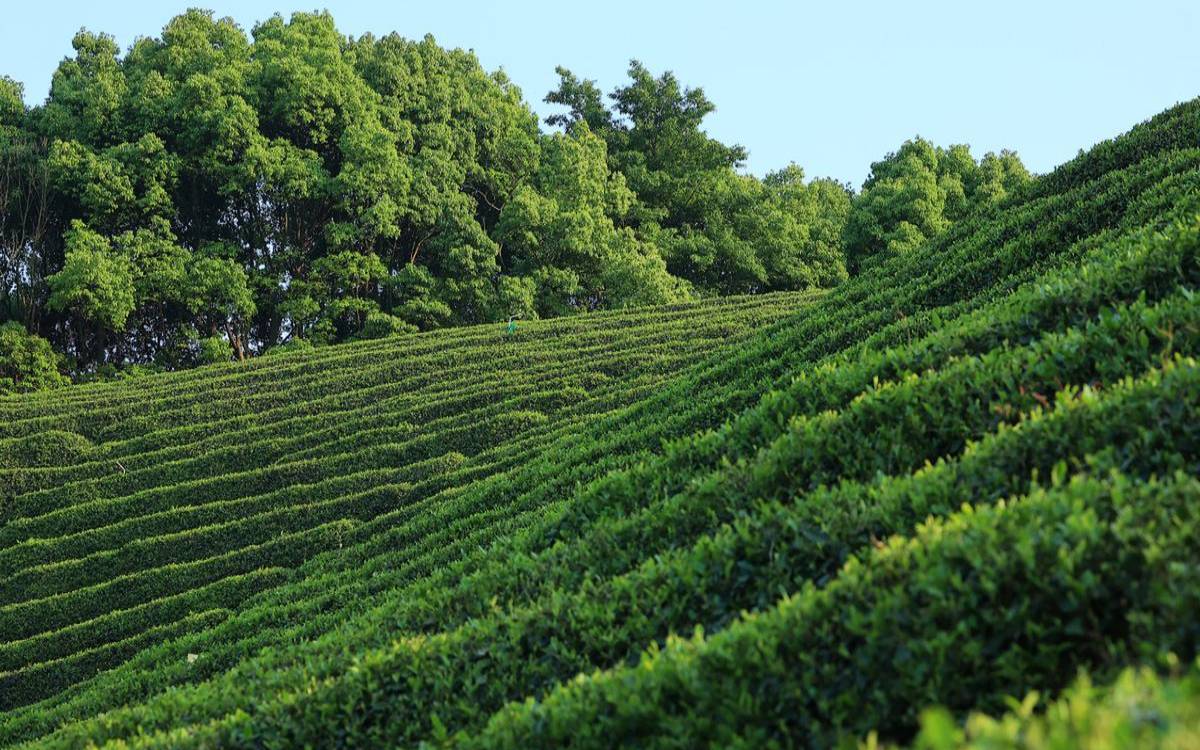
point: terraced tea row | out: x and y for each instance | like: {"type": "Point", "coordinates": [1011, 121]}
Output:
{"type": "Point", "coordinates": [927, 486]}
{"type": "Point", "coordinates": [1155, 393]}
{"type": "Point", "coordinates": [380, 387]}
{"type": "Point", "coordinates": [118, 577]}
{"type": "Point", "coordinates": [990, 466]}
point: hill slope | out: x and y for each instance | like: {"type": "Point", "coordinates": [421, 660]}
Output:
{"type": "Point", "coordinates": [966, 474]}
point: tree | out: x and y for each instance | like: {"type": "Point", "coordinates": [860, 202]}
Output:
{"type": "Point", "coordinates": [802, 244]}
{"type": "Point", "coordinates": [346, 286]}
{"type": "Point", "coordinates": [1000, 175]}
{"type": "Point", "coordinates": [286, 148]}
{"type": "Point", "coordinates": [25, 211]}
{"type": "Point", "coordinates": [720, 230]}
{"type": "Point", "coordinates": [27, 362]}
{"type": "Point", "coordinates": [96, 283]}
{"type": "Point", "coordinates": [900, 206]}
{"type": "Point", "coordinates": [86, 93]}
{"type": "Point", "coordinates": [915, 193]}
{"type": "Point", "coordinates": [218, 298]}
{"type": "Point", "coordinates": [12, 103]}
{"type": "Point", "coordinates": [213, 350]}
{"type": "Point", "coordinates": [564, 220]}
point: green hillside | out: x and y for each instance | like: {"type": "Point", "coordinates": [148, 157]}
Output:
{"type": "Point", "coordinates": [970, 472]}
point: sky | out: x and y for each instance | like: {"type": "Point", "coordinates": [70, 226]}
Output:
{"type": "Point", "coordinates": [831, 86]}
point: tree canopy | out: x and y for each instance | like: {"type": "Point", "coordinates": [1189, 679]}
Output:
{"type": "Point", "coordinates": [916, 192]}
{"type": "Point", "coordinates": [211, 193]}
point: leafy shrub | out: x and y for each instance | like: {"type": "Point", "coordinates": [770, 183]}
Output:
{"type": "Point", "coordinates": [213, 350]}
{"type": "Point", "coordinates": [27, 362]}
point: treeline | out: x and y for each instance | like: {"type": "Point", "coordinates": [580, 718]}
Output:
{"type": "Point", "coordinates": [210, 194]}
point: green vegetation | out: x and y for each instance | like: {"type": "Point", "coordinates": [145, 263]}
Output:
{"type": "Point", "coordinates": [1139, 710]}
{"type": "Point", "coordinates": [872, 514]}
{"type": "Point", "coordinates": [212, 194]}
{"type": "Point", "coordinates": [316, 454]}
{"type": "Point", "coordinates": [27, 363]}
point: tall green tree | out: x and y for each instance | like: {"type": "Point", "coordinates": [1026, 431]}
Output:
{"type": "Point", "coordinates": [27, 234]}
{"type": "Point", "coordinates": [561, 231]}
{"type": "Point", "coordinates": [723, 231]}
{"type": "Point", "coordinates": [96, 287]}
{"type": "Point", "coordinates": [916, 192]}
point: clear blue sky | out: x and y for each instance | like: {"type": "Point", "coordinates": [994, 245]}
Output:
{"type": "Point", "coordinates": [829, 85]}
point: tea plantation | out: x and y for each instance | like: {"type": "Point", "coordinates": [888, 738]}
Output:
{"type": "Point", "coordinates": [792, 520]}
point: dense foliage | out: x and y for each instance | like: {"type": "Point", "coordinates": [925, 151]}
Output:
{"type": "Point", "coordinates": [786, 520]}
{"type": "Point", "coordinates": [1139, 710]}
{"type": "Point", "coordinates": [27, 363]}
{"type": "Point", "coordinates": [914, 194]}
{"type": "Point", "coordinates": [208, 194]}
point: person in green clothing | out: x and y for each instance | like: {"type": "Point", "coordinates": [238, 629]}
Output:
{"type": "Point", "coordinates": [512, 325]}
